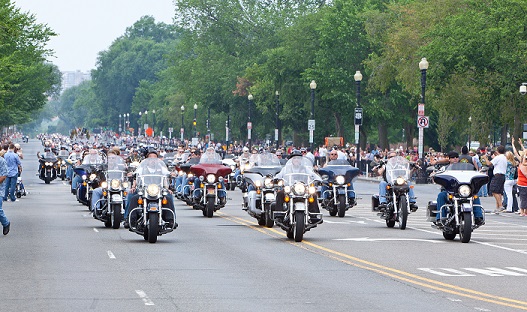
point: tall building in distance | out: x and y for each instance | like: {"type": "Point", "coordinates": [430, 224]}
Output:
{"type": "Point", "coordinates": [73, 78]}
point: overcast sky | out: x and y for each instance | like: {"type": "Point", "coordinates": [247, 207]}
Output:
{"type": "Point", "coordinates": [86, 27]}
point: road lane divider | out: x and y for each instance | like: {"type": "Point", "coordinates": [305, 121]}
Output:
{"type": "Point", "coordinates": [384, 270]}
{"type": "Point", "coordinates": [111, 255]}
{"type": "Point", "coordinates": [144, 297]}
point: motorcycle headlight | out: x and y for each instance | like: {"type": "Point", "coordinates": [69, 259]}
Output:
{"type": "Point", "coordinates": [152, 190]}
{"type": "Point", "coordinates": [220, 179]}
{"type": "Point", "coordinates": [115, 183]}
{"type": "Point", "coordinates": [48, 164]}
{"type": "Point", "coordinates": [400, 181]}
{"type": "Point", "coordinates": [233, 167]}
{"type": "Point", "coordinates": [464, 191]}
{"type": "Point", "coordinates": [287, 189]}
{"type": "Point", "coordinates": [190, 175]}
{"type": "Point", "coordinates": [247, 166]}
{"type": "Point", "coordinates": [299, 189]}
{"type": "Point", "coordinates": [93, 176]}
{"type": "Point", "coordinates": [126, 184]}
{"type": "Point", "coordinates": [258, 183]}
{"type": "Point", "coordinates": [312, 190]}
{"type": "Point", "coordinates": [104, 184]}
{"type": "Point", "coordinates": [340, 179]}
{"type": "Point", "coordinates": [211, 178]}
{"type": "Point", "coordinates": [181, 172]}
{"type": "Point", "coordinates": [84, 177]}
{"type": "Point", "coordinates": [268, 182]}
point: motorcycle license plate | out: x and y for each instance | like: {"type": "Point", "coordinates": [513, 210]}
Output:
{"type": "Point", "coordinates": [210, 191]}
{"type": "Point", "coordinates": [117, 197]}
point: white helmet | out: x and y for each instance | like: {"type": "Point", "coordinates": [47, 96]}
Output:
{"type": "Point", "coordinates": [245, 149]}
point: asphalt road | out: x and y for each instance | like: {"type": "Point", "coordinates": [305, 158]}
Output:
{"type": "Point", "coordinates": [58, 258]}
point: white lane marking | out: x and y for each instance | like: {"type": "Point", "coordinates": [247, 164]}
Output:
{"type": "Point", "coordinates": [367, 239]}
{"type": "Point", "coordinates": [95, 230]}
{"type": "Point", "coordinates": [144, 297]}
{"type": "Point", "coordinates": [453, 299]}
{"type": "Point", "coordinates": [111, 255]}
{"type": "Point", "coordinates": [344, 222]}
{"type": "Point", "coordinates": [481, 309]}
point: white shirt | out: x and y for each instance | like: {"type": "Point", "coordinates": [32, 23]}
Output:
{"type": "Point", "coordinates": [500, 164]}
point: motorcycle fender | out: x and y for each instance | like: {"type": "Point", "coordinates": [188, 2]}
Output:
{"type": "Point", "coordinates": [299, 206]}
{"type": "Point", "coordinates": [117, 198]}
{"type": "Point", "coordinates": [153, 207]}
{"type": "Point", "coordinates": [466, 207]}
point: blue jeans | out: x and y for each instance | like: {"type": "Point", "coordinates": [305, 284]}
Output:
{"type": "Point", "coordinates": [96, 195]}
{"type": "Point", "coordinates": [10, 187]}
{"type": "Point", "coordinates": [76, 180]}
{"type": "Point", "coordinates": [3, 218]}
{"type": "Point", "coordinates": [382, 193]}
{"type": "Point", "coordinates": [127, 204]}
{"type": "Point", "coordinates": [69, 172]}
{"type": "Point", "coordinates": [442, 198]}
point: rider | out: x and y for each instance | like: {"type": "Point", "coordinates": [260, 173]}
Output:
{"type": "Point", "coordinates": [381, 170]}
{"type": "Point", "coordinates": [297, 166]}
{"type": "Point", "coordinates": [152, 153]}
{"type": "Point", "coordinates": [333, 155]}
{"type": "Point", "coordinates": [442, 197]}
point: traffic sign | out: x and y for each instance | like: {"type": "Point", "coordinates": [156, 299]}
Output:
{"type": "Point", "coordinates": [358, 116]}
{"type": "Point", "coordinates": [420, 109]}
{"type": "Point", "coordinates": [249, 125]}
{"type": "Point", "coordinates": [170, 130]}
{"type": "Point", "coordinates": [311, 124]}
{"type": "Point", "coordinates": [423, 122]}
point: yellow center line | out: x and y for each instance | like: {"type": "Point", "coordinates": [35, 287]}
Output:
{"type": "Point", "coordinates": [384, 270]}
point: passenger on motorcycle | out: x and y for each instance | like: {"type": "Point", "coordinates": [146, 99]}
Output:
{"type": "Point", "coordinates": [442, 197]}
{"type": "Point", "coordinates": [381, 170]}
{"type": "Point", "coordinates": [297, 165]}
{"type": "Point", "coordinates": [132, 198]}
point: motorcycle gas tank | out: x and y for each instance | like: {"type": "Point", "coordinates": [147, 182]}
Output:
{"type": "Point", "coordinates": [215, 169]}
{"type": "Point", "coordinates": [452, 179]}
{"type": "Point", "coordinates": [348, 172]}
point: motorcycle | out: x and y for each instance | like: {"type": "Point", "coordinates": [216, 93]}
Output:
{"type": "Point", "coordinates": [48, 171]}
{"type": "Point", "coordinates": [243, 164]}
{"type": "Point", "coordinates": [151, 218]}
{"type": "Point", "coordinates": [114, 191]}
{"type": "Point", "coordinates": [230, 184]}
{"type": "Point", "coordinates": [397, 199]}
{"type": "Point", "coordinates": [20, 190]}
{"type": "Point", "coordinates": [337, 195]}
{"type": "Point", "coordinates": [457, 215]}
{"type": "Point", "coordinates": [62, 165]}
{"type": "Point", "coordinates": [299, 192]}
{"type": "Point", "coordinates": [209, 193]}
{"type": "Point", "coordinates": [92, 176]}
{"type": "Point", "coordinates": [261, 189]}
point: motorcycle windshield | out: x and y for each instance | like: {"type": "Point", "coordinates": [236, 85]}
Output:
{"type": "Point", "coordinates": [64, 154]}
{"type": "Point", "coordinates": [299, 169]}
{"type": "Point", "coordinates": [265, 160]}
{"type": "Point", "coordinates": [292, 178]}
{"type": "Point", "coordinates": [210, 157]}
{"type": "Point", "coordinates": [148, 179]}
{"type": "Point", "coordinates": [115, 175]}
{"type": "Point", "coordinates": [116, 163]}
{"type": "Point", "coordinates": [397, 167]}
{"type": "Point", "coordinates": [92, 159]}
{"type": "Point", "coordinates": [152, 166]}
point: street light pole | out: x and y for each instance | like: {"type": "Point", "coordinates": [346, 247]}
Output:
{"type": "Point", "coordinates": [182, 123]}
{"type": "Point", "coordinates": [139, 124]}
{"type": "Point", "coordinates": [277, 121]}
{"type": "Point", "coordinates": [358, 118]}
{"type": "Point", "coordinates": [249, 124]}
{"type": "Point", "coordinates": [154, 122]}
{"type": "Point", "coordinates": [194, 122]}
{"type": "Point", "coordinates": [120, 129]}
{"type": "Point", "coordinates": [311, 122]}
{"type": "Point", "coordinates": [423, 66]}
{"type": "Point", "coordinates": [208, 123]}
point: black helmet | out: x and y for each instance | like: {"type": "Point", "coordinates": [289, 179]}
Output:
{"type": "Point", "coordinates": [295, 153]}
{"type": "Point", "coordinates": [150, 151]}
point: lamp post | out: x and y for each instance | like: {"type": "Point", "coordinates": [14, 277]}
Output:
{"type": "Point", "coordinates": [127, 122]}
{"type": "Point", "coordinates": [311, 121]}
{"type": "Point", "coordinates": [358, 117]}
{"type": "Point", "coordinates": [469, 129]}
{"type": "Point", "coordinates": [249, 123]}
{"type": "Point", "coordinates": [208, 123]}
{"type": "Point", "coordinates": [423, 66]}
{"type": "Point", "coordinates": [153, 122]}
{"type": "Point", "coordinates": [120, 129]}
{"type": "Point", "coordinates": [194, 122]}
{"type": "Point", "coordinates": [182, 123]}
{"type": "Point", "coordinates": [277, 121]}
{"type": "Point", "coordinates": [139, 124]}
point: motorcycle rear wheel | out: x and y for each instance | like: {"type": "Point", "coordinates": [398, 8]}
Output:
{"type": "Point", "coordinates": [465, 227]}
{"type": "Point", "coordinates": [403, 212]}
{"type": "Point", "coordinates": [342, 205]}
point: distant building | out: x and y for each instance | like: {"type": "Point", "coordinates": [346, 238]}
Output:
{"type": "Point", "coordinates": [74, 78]}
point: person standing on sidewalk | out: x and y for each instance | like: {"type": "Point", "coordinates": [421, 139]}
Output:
{"type": "Point", "coordinates": [499, 164]}
{"type": "Point", "coordinates": [510, 179]}
{"type": "Point", "coordinates": [14, 166]}
{"type": "Point", "coordinates": [3, 174]}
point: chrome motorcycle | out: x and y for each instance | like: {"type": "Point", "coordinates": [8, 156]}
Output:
{"type": "Point", "coordinates": [337, 191]}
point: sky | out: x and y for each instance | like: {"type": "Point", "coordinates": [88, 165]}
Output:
{"type": "Point", "coordinates": [86, 27]}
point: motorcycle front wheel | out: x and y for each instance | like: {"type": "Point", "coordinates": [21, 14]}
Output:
{"type": "Point", "coordinates": [342, 205]}
{"type": "Point", "coordinates": [269, 222]}
{"type": "Point", "coordinates": [153, 226]}
{"type": "Point", "coordinates": [299, 226]}
{"type": "Point", "coordinates": [116, 216]}
{"type": "Point", "coordinates": [465, 227]}
{"type": "Point", "coordinates": [209, 207]}
{"type": "Point", "coordinates": [403, 212]}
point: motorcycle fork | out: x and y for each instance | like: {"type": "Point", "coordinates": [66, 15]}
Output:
{"type": "Point", "coordinates": [335, 194]}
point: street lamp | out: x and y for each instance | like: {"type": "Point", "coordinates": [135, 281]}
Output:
{"type": "Point", "coordinates": [194, 122]}
{"type": "Point", "coordinates": [154, 122]}
{"type": "Point", "coordinates": [358, 117]}
{"type": "Point", "coordinates": [139, 124]}
{"type": "Point", "coordinates": [120, 129]}
{"type": "Point", "coordinates": [182, 123]}
{"type": "Point", "coordinates": [127, 122]}
{"type": "Point", "coordinates": [249, 123]}
{"type": "Point", "coordinates": [311, 122]}
{"type": "Point", "coordinates": [277, 120]}
{"type": "Point", "coordinates": [469, 129]}
{"type": "Point", "coordinates": [423, 66]}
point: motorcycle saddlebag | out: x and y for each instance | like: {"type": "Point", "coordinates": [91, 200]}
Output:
{"type": "Point", "coordinates": [431, 211]}
{"type": "Point", "coordinates": [375, 202]}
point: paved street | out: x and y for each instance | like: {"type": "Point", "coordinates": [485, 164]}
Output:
{"type": "Point", "coordinates": [58, 258]}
